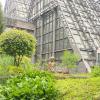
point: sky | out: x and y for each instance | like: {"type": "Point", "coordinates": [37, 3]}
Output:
{"type": "Point", "coordinates": [3, 2]}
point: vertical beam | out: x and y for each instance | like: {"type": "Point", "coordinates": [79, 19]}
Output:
{"type": "Point", "coordinates": [41, 48]}
{"type": "Point", "coordinates": [33, 55]}
{"type": "Point", "coordinates": [54, 31]}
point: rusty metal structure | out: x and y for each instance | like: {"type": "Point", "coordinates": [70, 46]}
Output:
{"type": "Point", "coordinates": [60, 25]}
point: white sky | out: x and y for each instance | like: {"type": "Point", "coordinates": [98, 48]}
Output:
{"type": "Point", "coordinates": [3, 2]}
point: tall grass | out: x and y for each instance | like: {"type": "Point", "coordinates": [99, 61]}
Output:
{"type": "Point", "coordinates": [5, 61]}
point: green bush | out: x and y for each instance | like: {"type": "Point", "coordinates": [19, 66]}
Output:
{"type": "Point", "coordinates": [26, 64]}
{"type": "Point", "coordinates": [39, 73]}
{"type": "Point", "coordinates": [37, 64]}
{"type": "Point", "coordinates": [70, 59]}
{"type": "Point", "coordinates": [13, 70]}
{"type": "Point", "coordinates": [17, 43]}
{"type": "Point", "coordinates": [96, 71]}
{"type": "Point", "coordinates": [31, 86]}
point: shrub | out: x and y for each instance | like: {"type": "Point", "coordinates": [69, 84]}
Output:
{"type": "Point", "coordinates": [96, 71]}
{"type": "Point", "coordinates": [69, 59]}
{"type": "Point", "coordinates": [30, 86]}
{"type": "Point", "coordinates": [17, 43]}
{"type": "Point", "coordinates": [37, 64]}
{"type": "Point", "coordinates": [39, 73]}
{"type": "Point", "coordinates": [13, 70]}
{"type": "Point", "coordinates": [26, 64]}
{"type": "Point", "coordinates": [45, 65]}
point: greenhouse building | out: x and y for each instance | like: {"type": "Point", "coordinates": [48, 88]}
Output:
{"type": "Point", "coordinates": [60, 25]}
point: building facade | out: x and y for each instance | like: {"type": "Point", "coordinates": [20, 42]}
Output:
{"type": "Point", "coordinates": [61, 25]}
{"type": "Point", "coordinates": [16, 15]}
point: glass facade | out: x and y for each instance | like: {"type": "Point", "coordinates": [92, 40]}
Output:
{"type": "Point", "coordinates": [51, 36]}
{"type": "Point", "coordinates": [80, 23]}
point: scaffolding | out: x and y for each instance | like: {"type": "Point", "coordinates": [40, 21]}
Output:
{"type": "Point", "coordinates": [61, 25]}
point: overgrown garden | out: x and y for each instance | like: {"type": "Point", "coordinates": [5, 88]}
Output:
{"type": "Point", "coordinates": [20, 79]}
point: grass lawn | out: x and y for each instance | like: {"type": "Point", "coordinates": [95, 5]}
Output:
{"type": "Point", "coordinates": [79, 89]}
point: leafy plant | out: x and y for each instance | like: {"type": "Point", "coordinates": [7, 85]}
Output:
{"type": "Point", "coordinates": [13, 70]}
{"type": "Point", "coordinates": [17, 43]}
{"type": "Point", "coordinates": [31, 86]}
{"type": "Point", "coordinates": [37, 64]}
{"type": "Point", "coordinates": [45, 65]}
{"type": "Point", "coordinates": [69, 59]}
{"type": "Point", "coordinates": [96, 71]}
{"type": "Point", "coordinates": [27, 64]}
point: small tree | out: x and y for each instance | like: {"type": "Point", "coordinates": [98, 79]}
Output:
{"type": "Point", "coordinates": [69, 59]}
{"type": "Point", "coordinates": [1, 20]}
{"type": "Point", "coordinates": [17, 43]}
